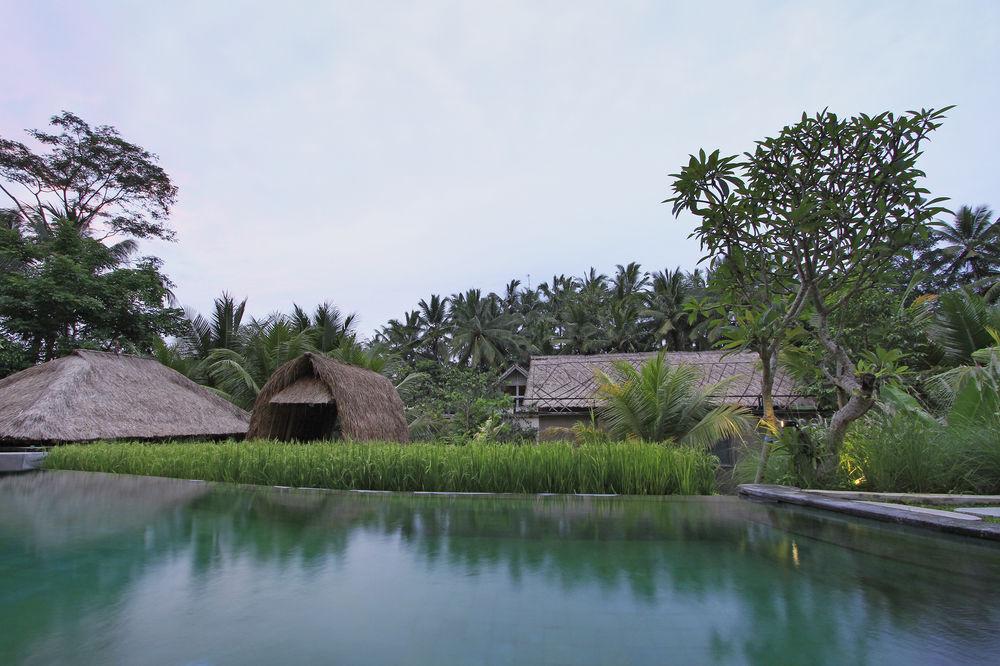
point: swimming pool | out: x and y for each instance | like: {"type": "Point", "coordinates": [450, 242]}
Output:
{"type": "Point", "coordinates": [101, 569]}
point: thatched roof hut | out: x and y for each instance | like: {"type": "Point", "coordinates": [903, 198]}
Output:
{"type": "Point", "coordinates": [90, 395]}
{"type": "Point", "coordinates": [315, 397]}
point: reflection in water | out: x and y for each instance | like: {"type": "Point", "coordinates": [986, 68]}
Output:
{"type": "Point", "coordinates": [106, 569]}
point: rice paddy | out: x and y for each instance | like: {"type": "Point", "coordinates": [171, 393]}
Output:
{"type": "Point", "coordinates": [627, 468]}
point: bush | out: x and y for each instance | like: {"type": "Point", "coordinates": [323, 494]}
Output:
{"type": "Point", "coordinates": [902, 454]}
{"type": "Point", "coordinates": [552, 467]}
{"type": "Point", "coordinates": [795, 460]}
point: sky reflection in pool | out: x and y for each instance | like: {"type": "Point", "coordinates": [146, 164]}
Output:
{"type": "Point", "coordinates": [103, 569]}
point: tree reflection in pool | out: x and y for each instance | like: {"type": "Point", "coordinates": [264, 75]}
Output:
{"type": "Point", "coordinates": [105, 569]}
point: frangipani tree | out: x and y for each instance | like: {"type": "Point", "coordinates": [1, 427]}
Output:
{"type": "Point", "coordinates": [810, 219]}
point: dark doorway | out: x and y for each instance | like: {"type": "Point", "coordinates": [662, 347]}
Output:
{"type": "Point", "coordinates": [305, 422]}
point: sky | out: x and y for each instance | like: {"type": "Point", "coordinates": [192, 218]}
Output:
{"type": "Point", "coordinates": [373, 153]}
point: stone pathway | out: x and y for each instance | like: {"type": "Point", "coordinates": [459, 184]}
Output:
{"type": "Point", "coordinates": [863, 506]}
{"type": "Point", "coordinates": [988, 511]}
{"type": "Point", "coordinates": [924, 510]}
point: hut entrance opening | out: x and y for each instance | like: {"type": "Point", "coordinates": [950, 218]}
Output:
{"type": "Point", "coordinates": [306, 422]}
{"type": "Point", "coordinates": [304, 411]}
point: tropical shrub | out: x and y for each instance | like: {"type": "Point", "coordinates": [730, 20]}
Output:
{"type": "Point", "coordinates": [903, 448]}
{"type": "Point", "coordinates": [660, 402]}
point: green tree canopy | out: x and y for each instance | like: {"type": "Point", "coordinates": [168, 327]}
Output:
{"type": "Point", "coordinates": [62, 291]}
{"type": "Point", "coordinates": [811, 218]}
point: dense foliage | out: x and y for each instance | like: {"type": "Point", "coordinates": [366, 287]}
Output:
{"type": "Point", "coordinates": [632, 310]}
{"type": "Point", "coordinates": [624, 468]}
{"type": "Point", "coordinates": [61, 291]}
{"type": "Point", "coordinates": [824, 254]}
{"type": "Point", "coordinates": [70, 276]}
{"type": "Point", "coordinates": [809, 221]}
{"type": "Point", "coordinates": [938, 433]}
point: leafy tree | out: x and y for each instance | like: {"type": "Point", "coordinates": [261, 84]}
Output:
{"type": "Point", "coordinates": [62, 291]}
{"type": "Point", "coordinates": [660, 402]}
{"type": "Point", "coordinates": [91, 177]}
{"type": "Point", "coordinates": [811, 218]}
{"type": "Point", "coordinates": [450, 402]}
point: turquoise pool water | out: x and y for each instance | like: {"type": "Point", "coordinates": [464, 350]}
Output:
{"type": "Point", "coordinates": [98, 569]}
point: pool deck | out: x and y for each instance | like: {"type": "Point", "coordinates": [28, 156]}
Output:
{"type": "Point", "coordinates": [887, 507]}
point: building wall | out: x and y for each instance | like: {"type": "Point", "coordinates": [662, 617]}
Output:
{"type": "Point", "coordinates": [547, 423]}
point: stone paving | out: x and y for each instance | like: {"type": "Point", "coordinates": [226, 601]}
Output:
{"type": "Point", "coordinates": [988, 511]}
{"type": "Point", "coordinates": [863, 506]}
{"type": "Point", "coordinates": [924, 510]}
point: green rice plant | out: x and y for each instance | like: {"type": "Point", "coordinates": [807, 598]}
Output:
{"type": "Point", "coordinates": [628, 468]}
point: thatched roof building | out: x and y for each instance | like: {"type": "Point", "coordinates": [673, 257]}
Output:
{"type": "Point", "coordinates": [569, 382]}
{"type": "Point", "coordinates": [315, 397]}
{"type": "Point", "coordinates": [91, 395]}
{"type": "Point", "coordinates": [561, 391]}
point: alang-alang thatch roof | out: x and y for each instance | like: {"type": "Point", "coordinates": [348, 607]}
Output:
{"type": "Point", "coordinates": [90, 395]}
{"type": "Point", "coordinates": [316, 397]}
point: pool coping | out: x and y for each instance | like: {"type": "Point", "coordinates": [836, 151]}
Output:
{"type": "Point", "coordinates": [856, 504]}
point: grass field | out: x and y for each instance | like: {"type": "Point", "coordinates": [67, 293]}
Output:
{"type": "Point", "coordinates": [627, 468]}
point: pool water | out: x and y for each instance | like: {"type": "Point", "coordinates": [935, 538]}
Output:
{"type": "Point", "coordinates": [99, 569]}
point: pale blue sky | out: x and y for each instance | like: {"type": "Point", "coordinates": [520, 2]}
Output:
{"type": "Point", "coordinates": [374, 153]}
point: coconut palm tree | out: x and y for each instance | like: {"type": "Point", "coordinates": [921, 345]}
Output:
{"type": "Point", "coordinates": [511, 295]}
{"type": "Point", "coordinates": [625, 327]}
{"type": "Point", "coordinates": [222, 331]}
{"type": "Point", "coordinates": [402, 337]}
{"type": "Point", "coordinates": [660, 402]}
{"type": "Point", "coordinates": [538, 322]}
{"type": "Point", "coordinates": [968, 247]}
{"type": "Point", "coordinates": [268, 343]}
{"type": "Point", "coordinates": [484, 336]}
{"type": "Point", "coordinates": [965, 322]}
{"type": "Point", "coordinates": [328, 327]}
{"type": "Point", "coordinates": [434, 328]}
{"type": "Point", "coordinates": [581, 332]}
{"type": "Point", "coordinates": [664, 308]}
{"type": "Point", "coordinates": [629, 281]}
{"type": "Point", "coordinates": [594, 287]}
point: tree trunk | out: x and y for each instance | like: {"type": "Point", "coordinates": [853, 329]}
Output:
{"type": "Point", "coordinates": [769, 362]}
{"type": "Point", "coordinates": [858, 389]}
{"type": "Point", "coordinates": [862, 399]}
